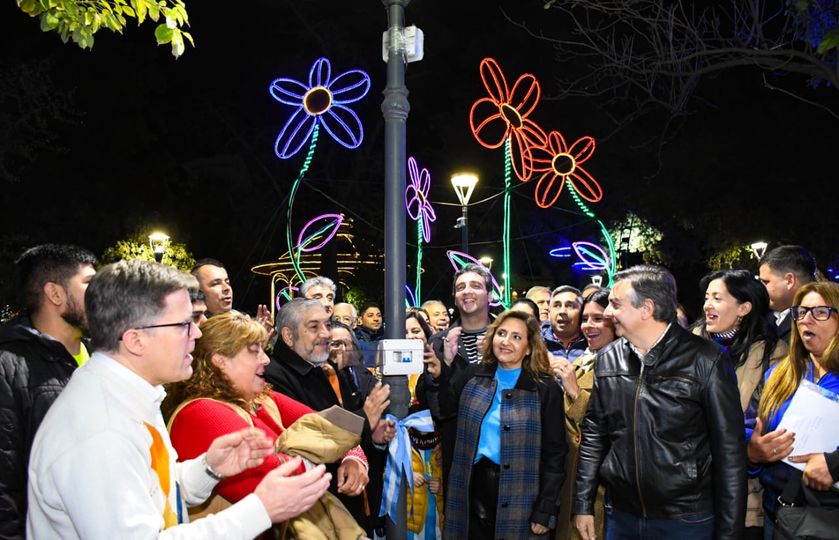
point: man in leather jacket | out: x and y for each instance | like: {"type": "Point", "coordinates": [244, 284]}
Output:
{"type": "Point", "coordinates": [664, 429]}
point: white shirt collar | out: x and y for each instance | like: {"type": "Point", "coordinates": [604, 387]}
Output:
{"type": "Point", "coordinates": [637, 351]}
{"type": "Point", "coordinates": [780, 316]}
{"type": "Point", "coordinates": [133, 390]}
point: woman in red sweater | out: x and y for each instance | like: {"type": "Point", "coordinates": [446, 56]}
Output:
{"type": "Point", "coordinates": [227, 392]}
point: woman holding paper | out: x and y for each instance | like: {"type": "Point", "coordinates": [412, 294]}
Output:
{"type": "Point", "coordinates": [813, 357]}
{"type": "Point", "coordinates": [227, 392]}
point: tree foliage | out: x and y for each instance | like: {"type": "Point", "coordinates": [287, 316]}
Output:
{"type": "Point", "coordinates": [638, 56]}
{"type": "Point", "coordinates": [632, 234]}
{"type": "Point", "coordinates": [176, 255]}
{"type": "Point", "coordinates": [79, 20]}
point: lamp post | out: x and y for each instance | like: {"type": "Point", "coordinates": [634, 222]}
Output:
{"type": "Point", "coordinates": [759, 248]}
{"type": "Point", "coordinates": [158, 242]}
{"type": "Point", "coordinates": [464, 185]}
{"type": "Point", "coordinates": [486, 260]}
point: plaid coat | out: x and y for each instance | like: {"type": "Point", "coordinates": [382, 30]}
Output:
{"type": "Point", "coordinates": [533, 449]}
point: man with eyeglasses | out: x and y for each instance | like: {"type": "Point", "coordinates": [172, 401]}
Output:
{"type": "Point", "coordinates": [102, 464]}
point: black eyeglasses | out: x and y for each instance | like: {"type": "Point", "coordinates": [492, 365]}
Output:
{"type": "Point", "coordinates": [820, 313]}
{"type": "Point", "coordinates": [188, 325]}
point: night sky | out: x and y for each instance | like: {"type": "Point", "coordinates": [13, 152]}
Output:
{"type": "Point", "coordinates": [100, 144]}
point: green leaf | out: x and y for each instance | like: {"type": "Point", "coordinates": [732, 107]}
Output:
{"type": "Point", "coordinates": [30, 7]}
{"type": "Point", "coordinates": [49, 21]}
{"type": "Point", "coordinates": [154, 10]}
{"type": "Point", "coordinates": [163, 34]}
{"type": "Point", "coordinates": [141, 9]}
{"type": "Point", "coordinates": [829, 41]}
{"type": "Point", "coordinates": [188, 36]}
{"type": "Point", "coordinates": [128, 11]}
{"type": "Point", "coordinates": [177, 43]}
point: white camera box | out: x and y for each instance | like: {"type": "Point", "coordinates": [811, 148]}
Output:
{"type": "Point", "coordinates": [400, 356]}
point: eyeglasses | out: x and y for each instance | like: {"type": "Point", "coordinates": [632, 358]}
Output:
{"type": "Point", "coordinates": [188, 325]}
{"type": "Point", "coordinates": [819, 313]}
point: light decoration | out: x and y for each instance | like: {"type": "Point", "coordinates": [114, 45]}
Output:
{"type": "Point", "coordinates": [323, 234]}
{"type": "Point", "coordinates": [559, 164]}
{"type": "Point", "coordinates": [323, 101]}
{"type": "Point", "coordinates": [458, 259]}
{"type": "Point", "coordinates": [502, 118]}
{"type": "Point", "coordinates": [592, 257]}
{"type": "Point", "coordinates": [561, 252]}
{"type": "Point", "coordinates": [420, 210]}
{"type": "Point", "coordinates": [410, 297]}
{"type": "Point", "coordinates": [286, 293]}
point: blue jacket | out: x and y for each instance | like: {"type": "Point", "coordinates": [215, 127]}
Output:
{"type": "Point", "coordinates": [774, 476]}
{"type": "Point", "coordinates": [556, 348]}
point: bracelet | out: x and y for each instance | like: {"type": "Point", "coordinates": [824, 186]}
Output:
{"type": "Point", "coordinates": [209, 470]}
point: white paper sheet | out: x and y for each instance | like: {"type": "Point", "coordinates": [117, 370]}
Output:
{"type": "Point", "coordinates": [813, 415]}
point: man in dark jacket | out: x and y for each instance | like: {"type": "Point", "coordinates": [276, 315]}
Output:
{"type": "Point", "coordinates": [299, 369]}
{"type": "Point", "coordinates": [664, 428]}
{"type": "Point", "coordinates": [38, 353]}
{"type": "Point", "coordinates": [783, 271]}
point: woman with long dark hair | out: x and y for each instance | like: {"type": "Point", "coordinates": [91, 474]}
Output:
{"type": "Point", "coordinates": [737, 317]}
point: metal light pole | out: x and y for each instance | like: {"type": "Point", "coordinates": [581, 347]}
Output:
{"type": "Point", "coordinates": [395, 109]}
{"type": "Point", "coordinates": [464, 185]}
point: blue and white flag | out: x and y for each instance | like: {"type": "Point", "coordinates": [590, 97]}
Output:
{"type": "Point", "coordinates": [399, 459]}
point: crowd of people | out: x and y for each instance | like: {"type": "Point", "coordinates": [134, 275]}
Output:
{"type": "Point", "coordinates": [137, 403]}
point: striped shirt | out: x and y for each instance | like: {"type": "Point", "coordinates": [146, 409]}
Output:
{"type": "Point", "coordinates": [469, 340]}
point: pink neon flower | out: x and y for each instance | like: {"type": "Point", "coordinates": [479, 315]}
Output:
{"type": "Point", "coordinates": [416, 197]}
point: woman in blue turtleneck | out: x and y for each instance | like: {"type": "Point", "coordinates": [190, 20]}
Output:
{"type": "Point", "coordinates": [737, 317]}
{"type": "Point", "coordinates": [509, 457]}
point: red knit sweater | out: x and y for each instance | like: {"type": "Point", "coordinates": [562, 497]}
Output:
{"type": "Point", "coordinates": [198, 424]}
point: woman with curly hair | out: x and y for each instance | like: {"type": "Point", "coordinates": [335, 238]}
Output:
{"type": "Point", "coordinates": [509, 456]}
{"type": "Point", "coordinates": [227, 392]}
{"type": "Point", "coordinates": [814, 357]}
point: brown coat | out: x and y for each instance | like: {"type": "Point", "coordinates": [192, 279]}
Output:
{"type": "Point", "coordinates": [575, 411]}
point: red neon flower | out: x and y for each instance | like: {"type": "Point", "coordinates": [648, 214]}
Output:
{"type": "Point", "coordinates": [558, 162]}
{"type": "Point", "coordinates": [505, 114]}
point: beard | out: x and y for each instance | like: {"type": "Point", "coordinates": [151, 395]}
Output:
{"type": "Point", "coordinates": [317, 359]}
{"type": "Point", "coordinates": [74, 315]}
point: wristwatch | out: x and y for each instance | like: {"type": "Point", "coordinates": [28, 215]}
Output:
{"type": "Point", "coordinates": [209, 470]}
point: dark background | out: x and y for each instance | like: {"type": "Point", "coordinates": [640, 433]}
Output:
{"type": "Point", "coordinates": [99, 145]}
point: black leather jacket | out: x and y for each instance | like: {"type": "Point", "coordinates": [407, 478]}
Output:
{"type": "Point", "coordinates": [666, 436]}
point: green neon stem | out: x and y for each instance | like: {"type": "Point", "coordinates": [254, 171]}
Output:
{"type": "Point", "coordinates": [606, 236]}
{"type": "Point", "coordinates": [294, 254]}
{"type": "Point", "coordinates": [508, 166]}
{"type": "Point", "coordinates": [419, 264]}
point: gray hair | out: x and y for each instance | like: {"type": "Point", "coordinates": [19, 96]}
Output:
{"type": "Point", "coordinates": [536, 289]}
{"type": "Point", "coordinates": [314, 282]}
{"type": "Point", "coordinates": [567, 288]}
{"type": "Point", "coordinates": [652, 283]}
{"type": "Point", "coordinates": [428, 303]}
{"type": "Point", "coordinates": [292, 313]}
{"type": "Point", "coordinates": [128, 294]}
{"type": "Point", "coordinates": [342, 304]}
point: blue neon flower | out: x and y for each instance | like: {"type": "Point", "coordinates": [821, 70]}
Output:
{"type": "Point", "coordinates": [322, 101]}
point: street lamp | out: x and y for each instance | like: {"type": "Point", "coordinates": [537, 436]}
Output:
{"type": "Point", "coordinates": [158, 242]}
{"type": "Point", "coordinates": [464, 185]}
{"type": "Point", "coordinates": [486, 260]}
{"type": "Point", "coordinates": [758, 248]}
